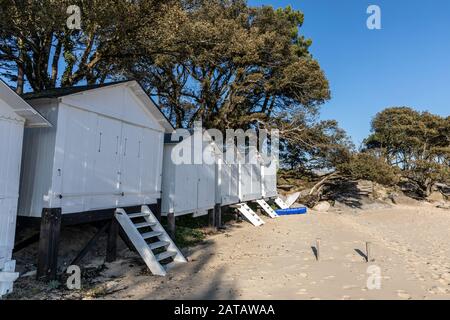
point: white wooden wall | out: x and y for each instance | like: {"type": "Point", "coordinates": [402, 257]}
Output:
{"type": "Point", "coordinates": [250, 182]}
{"type": "Point", "coordinates": [11, 135]}
{"type": "Point", "coordinates": [187, 188]}
{"type": "Point", "coordinates": [228, 184]}
{"type": "Point", "coordinates": [269, 179]}
{"type": "Point", "coordinates": [104, 151]}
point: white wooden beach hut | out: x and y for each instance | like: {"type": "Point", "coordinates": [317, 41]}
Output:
{"type": "Point", "coordinates": [189, 182]}
{"type": "Point", "coordinates": [15, 113]}
{"type": "Point", "coordinates": [269, 171]}
{"type": "Point", "coordinates": [102, 156]}
{"type": "Point", "coordinates": [250, 188]}
{"type": "Point", "coordinates": [228, 178]}
{"type": "Point", "coordinates": [257, 183]}
{"type": "Point", "coordinates": [103, 151]}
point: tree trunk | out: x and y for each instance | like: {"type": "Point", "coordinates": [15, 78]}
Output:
{"type": "Point", "coordinates": [20, 71]}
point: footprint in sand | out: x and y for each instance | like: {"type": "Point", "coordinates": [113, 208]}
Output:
{"type": "Point", "coordinates": [348, 287]}
{"type": "Point", "coordinates": [302, 292]}
{"type": "Point", "coordinates": [303, 275]}
{"type": "Point", "coordinates": [402, 294]}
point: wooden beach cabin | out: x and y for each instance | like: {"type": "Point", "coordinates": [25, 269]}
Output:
{"type": "Point", "coordinates": [269, 171]}
{"type": "Point", "coordinates": [102, 158]}
{"type": "Point", "coordinates": [250, 188]}
{"type": "Point", "coordinates": [15, 114]}
{"type": "Point", "coordinates": [189, 176]}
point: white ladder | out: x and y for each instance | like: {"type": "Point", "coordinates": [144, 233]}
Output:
{"type": "Point", "coordinates": [267, 209]}
{"type": "Point", "coordinates": [152, 242]}
{"type": "Point", "coordinates": [249, 214]}
{"type": "Point", "coordinates": [279, 202]}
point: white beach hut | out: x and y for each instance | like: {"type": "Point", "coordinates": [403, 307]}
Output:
{"type": "Point", "coordinates": [269, 171]}
{"type": "Point", "coordinates": [15, 113]}
{"type": "Point", "coordinates": [104, 150]}
{"type": "Point", "coordinates": [250, 177]}
{"type": "Point", "coordinates": [189, 182]}
{"type": "Point", "coordinates": [227, 183]}
{"type": "Point", "coordinates": [100, 160]}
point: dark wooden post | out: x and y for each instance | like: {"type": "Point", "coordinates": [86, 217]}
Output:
{"type": "Point", "coordinates": [171, 225]}
{"type": "Point", "coordinates": [211, 218]}
{"type": "Point", "coordinates": [158, 210]}
{"type": "Point", "coordinates": [218, 216]}
{"type": "Point", "coordinates": [49, 244]}
{"type": "Point", "coordinates": [111, 245]}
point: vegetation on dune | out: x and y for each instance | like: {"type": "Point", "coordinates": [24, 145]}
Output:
{"type": "Point", "coordinates": [365, 166]}
{"type": "Point", "coordinates": [417, 143]}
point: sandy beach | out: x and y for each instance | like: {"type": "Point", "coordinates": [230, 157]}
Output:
{"type": "Point", "coordinates": [409, 244]}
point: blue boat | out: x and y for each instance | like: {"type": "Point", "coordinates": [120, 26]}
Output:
{"type": "Point", "coordinates": [289, 212]}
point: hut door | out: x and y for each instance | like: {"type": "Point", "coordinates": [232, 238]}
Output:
{"type": "Point", "coordinates": [104, 182]}
{"type": "Point", "coordinates": [131, 152]}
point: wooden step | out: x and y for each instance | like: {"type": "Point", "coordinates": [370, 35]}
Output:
{"type": "Point", "coordinates": [165, 255]}
{"type": "Point", "coordinates": [152, 234]}
{"type": "Point", "coordinates": [144, 225]}
{"type": "Point", "coordinates": [159, 244]}
{"type": "Point", "coordinates": [139, 238]}
{"type": "Point", "coordinates": [138, 215]}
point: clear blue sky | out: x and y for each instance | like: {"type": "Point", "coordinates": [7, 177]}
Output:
{"type": "Point", "coordinates": [405, 63]}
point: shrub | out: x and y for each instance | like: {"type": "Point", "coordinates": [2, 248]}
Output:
{"type": "Point", "coordinates": [368, 167]}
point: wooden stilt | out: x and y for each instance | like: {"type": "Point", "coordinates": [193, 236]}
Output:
{"type": "Point", "coordinates": [212, 219]}
{"type": "Point", "coordinates": [156, 209]}
{"type": "Point", "coordinates": [171, 225]}
{"type": "Point", "coordinates": [218, 216]}
{"type": "Point", "coordinates": [111, 246]}
{"type": "Point", "coordinates": [368, 251]}
{"type": "Point", "coordinates": [318, 249]}
{"type": "Point", "coordinates": [49, 244]}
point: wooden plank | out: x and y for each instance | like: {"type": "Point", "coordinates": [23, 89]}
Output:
{"type": "Point", "coordinates": [267, 209]}
{"type": "Point", "coordinates": [49, 244]}
{"type": "Point", "coordinates": [26, 243]}
{"type": "Point", "coordinates": [111, 245]}
{"type": "Point", "coordinates": [250, 215]}
{"type": "Point", "coordinates": [218, 216]}
{"type": "Point", "coordinates": [139, 243]}
{"type": "Point", "coordinates": [171, 225]}
{"type": "Point", "coordinates": [279, 202]}
{"type": "Point", "coordinates": [368, 252]}
{"type": "Point", "coordinates": [211, 219]}
{"type": "Point", "coordinates": [89, 245]}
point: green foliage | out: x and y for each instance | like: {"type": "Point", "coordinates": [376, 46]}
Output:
{"type": "Point", "coordinates": [36, 43]}
{"type": "Point", "coordinates": [186, 237]}
{"type": "Point", "coordinates": [242, 66]}
{"type": "Point", "coordinates": [312, 145]}
{"type": "Point", "coordinates": [223, 62]}
{"type": "Point", "coordinates": [368, 167]}
{"type": "Point", "coordinates": [416, 142]}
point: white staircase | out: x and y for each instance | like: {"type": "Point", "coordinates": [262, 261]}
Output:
{"type": "Point", "coordinates": [152, 242]}
{"type": "Point", "coordinates": [279, 202]}
{"type": "Point", "coordinates": [267, 209]}
{"type": "Point", "coordinates": [249, 214]}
